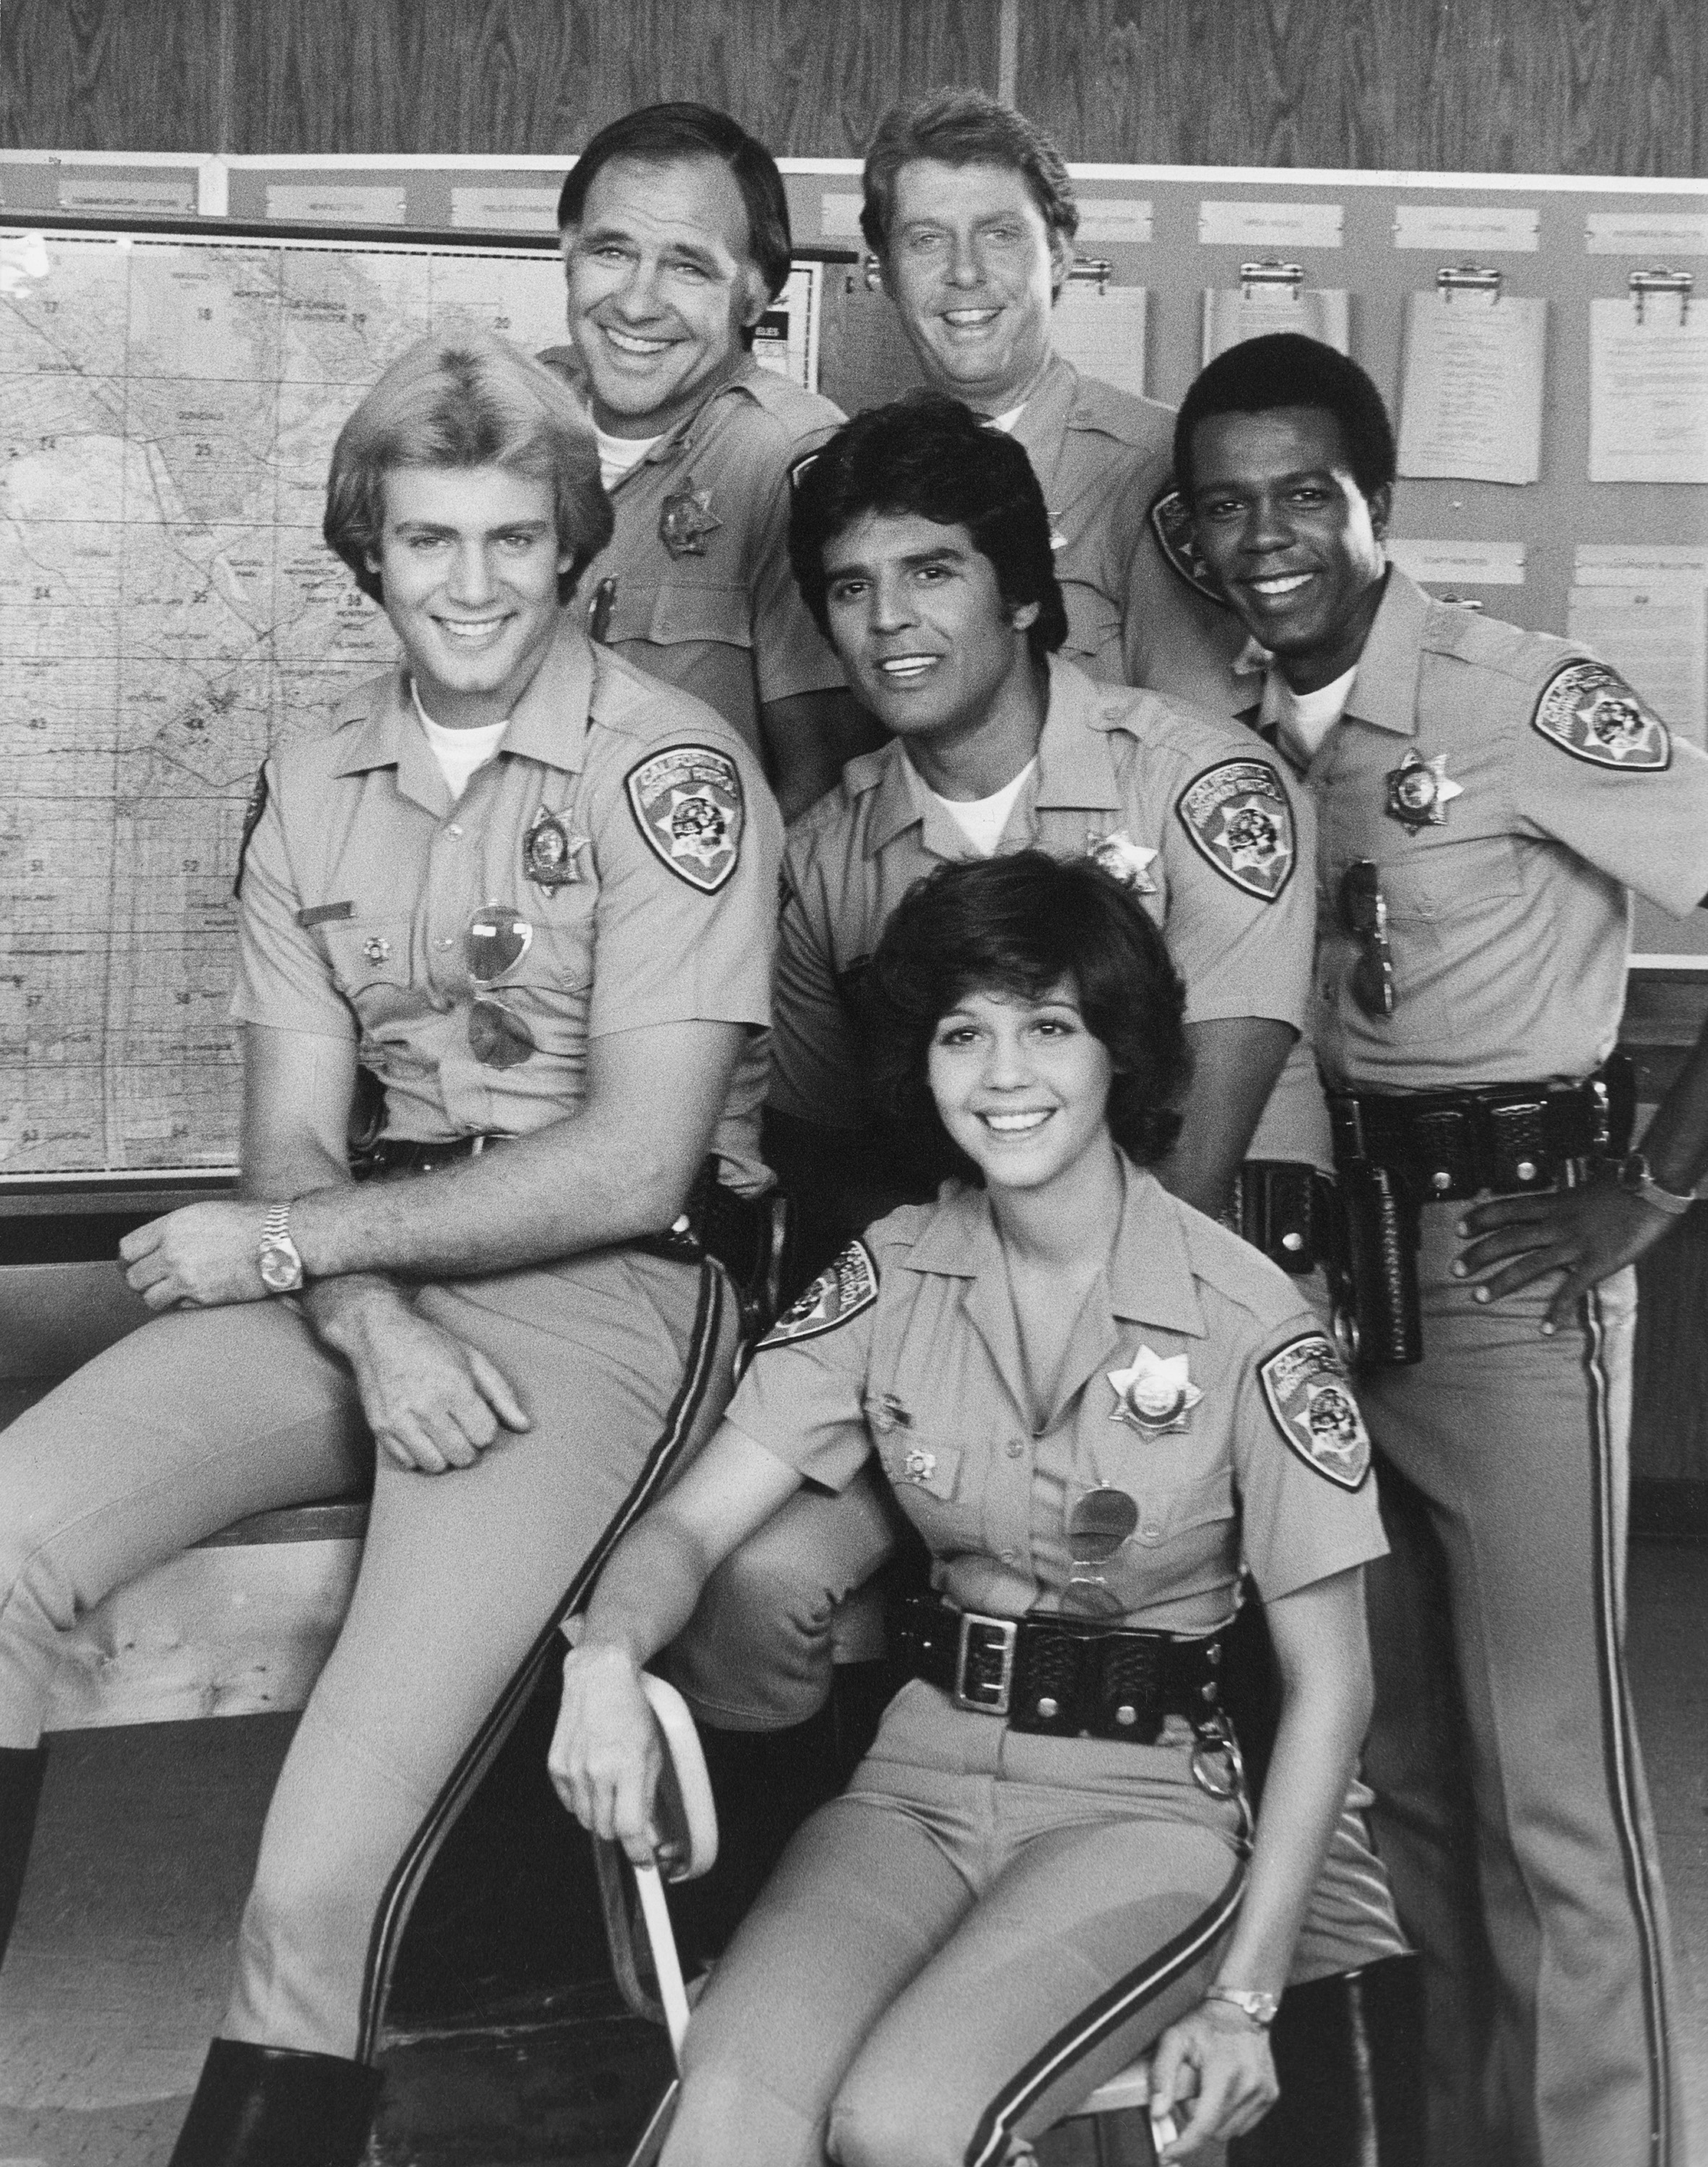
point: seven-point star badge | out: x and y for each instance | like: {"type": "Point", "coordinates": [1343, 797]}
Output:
{"type": "Point", "coordinates": [1420, 792]}
{"type": "Point", "coordinates": [1155, 1394]}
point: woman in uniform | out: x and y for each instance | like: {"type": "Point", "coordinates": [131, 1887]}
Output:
{"type": "Point", "coordinates": [1091, 1402]}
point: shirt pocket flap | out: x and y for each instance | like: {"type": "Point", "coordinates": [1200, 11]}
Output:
{"type": "Point", "coordinates": [684, 614]}
{"type": "Point", "coordinates": [367, 951]}
{"type": "Point", "coordinates": [1168, 1507]}
{"type": "Point", "coordinates": [912, 1464]}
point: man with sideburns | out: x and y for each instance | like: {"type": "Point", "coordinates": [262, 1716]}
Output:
{"type": "Point", "coordinates": [532, 891]}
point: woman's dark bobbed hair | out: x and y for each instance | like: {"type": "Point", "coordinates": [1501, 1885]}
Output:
{"type": "Point", "coordinates": [1020, 925]}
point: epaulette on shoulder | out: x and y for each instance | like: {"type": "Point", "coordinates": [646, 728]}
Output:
{"type": "Point", "coordinates": [646, 708]}
{"type": "Point", "coordinates": [1146, 425]}
{"type": "Point", "coordinates": [797, 411]}
{"type": "Point", "coordinates": [1493, 643]}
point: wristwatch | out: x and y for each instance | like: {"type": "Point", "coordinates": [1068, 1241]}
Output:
{"type": "Point", "coordinates": [1637, 1180]}
{"type": "Point", "coordinates": [1260, 2008]}
{"type": "Point", "coordinates": [280, 1265]}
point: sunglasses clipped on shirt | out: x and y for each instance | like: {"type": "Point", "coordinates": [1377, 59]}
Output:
{"type": "Point", "coordinates": [1364, 915]}
{"type": "Point", "coordinates": [1097, 1529]}
{"type": "Point", "coordinates": [498, 938]}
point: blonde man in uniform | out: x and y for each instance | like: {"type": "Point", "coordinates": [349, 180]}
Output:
{"type": "Point", "coordinates": [533, 890]}
{"type": "Point", "coordinates": [970, 211]}
{"type": "Point", "coordinates": [1487, 798]}
{"type": "Point", "coordinates": [675, 233]}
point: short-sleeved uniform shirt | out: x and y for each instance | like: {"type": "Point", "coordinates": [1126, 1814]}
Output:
{"type": "Point", "coordinates": [1510, 789]}
{"type": "Point", "coordinates": [1136, 614]}
{"type": "Point", "coordinates": [1192, 814]}
{"type": "Point", "coordinates": [703, 595]}
{"type": "Point", "coordinates": [1195, 1380]}
{"type": "Point", "coordinates": [626, 824]}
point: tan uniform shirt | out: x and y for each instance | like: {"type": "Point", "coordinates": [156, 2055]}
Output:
{"type": "Point", "coordinates": [1509, 789]}
{"type": "Point", "coordinates": [704, 597]}
{"type": "Point", "coordinates": [1193, 813]}
{"type": "Point", "coordinates": [1135, 617]}
{"type": "Point", "coordinates": [1196, 1380]}
{"type": "Point", "coordinates": [628, 825]}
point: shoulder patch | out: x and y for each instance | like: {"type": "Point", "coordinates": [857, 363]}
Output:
{"type": "Point", "coordinates": [841, 1291]}
{"type": "Point", "coordinates": [1239, 818]}
{"type": "Point", "coordinates": [1171, 522]}
{"type": "Point", "coordinates": [1589, 711]}
{"type": "Point", "coordinates": [1312, 1405]}
{"type": "Point", "coordinates": [251, 818]}
{"type": "Point", "coordinates": [688, 804]}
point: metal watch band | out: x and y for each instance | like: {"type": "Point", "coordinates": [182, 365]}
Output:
{"type": "Point", "coordinates": [276, 1224]}
{"type": "Point", "coordinates": [1636, 1175]}
{"type": "Point", "coordinates": [1260, 2008]}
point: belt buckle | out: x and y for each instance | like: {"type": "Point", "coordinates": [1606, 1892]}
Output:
{"type": "Point", "coordinates": [989, 1698]}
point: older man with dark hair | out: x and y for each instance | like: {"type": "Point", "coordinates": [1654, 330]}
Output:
{"type": "Point", "coordinates": [675, 232]}
{"type": "Point", "coordinates": [532, 891]}
{"type": "Point", "coordinates": [971, 213]}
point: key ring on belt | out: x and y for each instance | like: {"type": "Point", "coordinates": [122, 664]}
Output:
{"type": "Point", "coordinates": [1214, 1737]}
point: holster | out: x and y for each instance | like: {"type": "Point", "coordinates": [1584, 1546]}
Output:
{"type": "Point", "coordinates": [1373, 1275]}
{"type": "Point", "coordinates": [1286, 1209]}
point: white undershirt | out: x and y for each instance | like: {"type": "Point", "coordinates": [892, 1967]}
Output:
{"type": "Point", "coordinates": [458, 752]}
{"type": "Point", "coordinates": [981, 820]}
{"type": "Point", "coordinates": [621, 455]}
{"type": "Point", "coordinates": [1303, 720]}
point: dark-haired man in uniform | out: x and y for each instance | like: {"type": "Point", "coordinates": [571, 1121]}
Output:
{"type": "Point", "coordinates": [1486, 799]}
{"type": "Point", "coordinates": [970, 211]}
{"type": "Point", "coordinates": [675, 236]}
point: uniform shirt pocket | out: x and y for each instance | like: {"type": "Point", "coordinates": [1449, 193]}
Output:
{"type": "Point", "coordinates": [696, 614]}
{"type": "Point", "coordinates": [1186, 1534]}
{"type": "Point", "coordinates": [369, 962]}
{"type": "Point", "coordinates": [935, 1486]}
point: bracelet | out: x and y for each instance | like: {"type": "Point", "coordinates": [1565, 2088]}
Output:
{"type": "Point", "coordinates": [1637, 1180]}
{"type": "Point", "coordinates": [1259, 2009]}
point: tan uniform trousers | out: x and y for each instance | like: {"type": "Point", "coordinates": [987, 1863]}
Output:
{"type": "Point", "coordinates": [1503, 1753]}
{"type": "Point", "coordinates": [955, 1952]}
{"type": "Point", "coordinates": [623, 1361]}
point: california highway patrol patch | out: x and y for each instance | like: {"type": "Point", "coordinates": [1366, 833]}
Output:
{"type": "Point", "coordinates": [1314, 1409]}
{"type": "Point", "coordinates": [841, 1291]}
{"type": "Point", "coordinates": [1591, 713]}
{"type": "Point", "coordinates": [688, 804]}
{"type": "Point", "coordinates": [1171, 522]}
{"type": "Point", "coordinates": [1237, 817]}
{"type": "Point", "coordinates": [686, 519]}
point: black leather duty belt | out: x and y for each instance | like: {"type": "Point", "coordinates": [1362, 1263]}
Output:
{"type": "Point", "coordinates": [403, 1155]}
{"type": "Point", "coordinates": [1512, 1140]}
{"type": "Point", "coordinates": [1285, 1208]}
{"type": "Point", "coordinates": [1064, 1676]}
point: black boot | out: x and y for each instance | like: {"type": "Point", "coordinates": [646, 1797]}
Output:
{"type": "Point", "coordinates": [21, 1770]}
{"type": "Point", "coordinates": [1349, 2053]}
{"type": "Point", "coordinates": [271, 2107]}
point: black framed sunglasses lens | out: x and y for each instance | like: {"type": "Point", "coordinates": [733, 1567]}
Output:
{"type": "Point", "coordinates": [1364, 914]}
{"type": "Point", "coordinates": [1096, 1528]}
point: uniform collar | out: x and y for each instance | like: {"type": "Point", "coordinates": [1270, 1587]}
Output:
{"type": "Point", "coordinates": [1384, 692]}
{"type": "Point", "coordinates": [1074, 770]}
{"type": "Point", "coordinates": [1148, 1276]}
{"type": "Point", "coordinates": [1048, 407]}
{"type": "Point", "coordinates": [548, 724]}
{"type": "Point", "coordinates": [671, 443]}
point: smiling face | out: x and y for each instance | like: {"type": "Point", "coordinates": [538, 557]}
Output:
{"type": "Point", "coordinates": [661, 283]}
{"type": "Point", "coordinates": [973, 270]}
{"type": "Point", "coordinates": [1022, 1086]}
{"type": "Point", "coordinates": [1295, 541]}
{"type": "Point", "coordinates": [918, 622]}
{"type": "Point", "coordinates": [468, 562]}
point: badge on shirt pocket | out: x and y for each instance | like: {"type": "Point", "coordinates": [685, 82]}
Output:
{"type": "Point", "coordinates": [686, 520]}
{"type": "Point", "coordinates": [1420, 792]}
{"type": "Point", "coordinates": [1154, 1394]}
{"type": "Point", "coordinates": [550, 852]}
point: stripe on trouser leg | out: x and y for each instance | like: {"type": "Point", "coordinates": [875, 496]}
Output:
{"type": "Point", "coordinates": [1618, 1735]}
{"type": "Point", "coordinates": [1115, 2007]}
{"type": "Point", "coordinates": [410, 1870]}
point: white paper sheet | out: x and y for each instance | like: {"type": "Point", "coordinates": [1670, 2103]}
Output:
{"type": "Point", "coordinates": [1478, 228]}
{"type": "Point", "coordinates": [335, 202]}
{"type": "Point", "coordinates": [1126, 218]}
{"type": "Point", "coordinates": [1655, 636]}
{"type": "Point", "coordinates": [1231, 314]}
{"type": "Point", "coordinates": [1459, 564]}
{"type": "Point", "coordinates": [1103, 334]}
{"type": "Point", "coordinates": [1639, 564]}
{"type": "Point", "coordinates": [1651, 233]}
{"type": "Point", "coordinates": [786, 341]}
{"type": "Point", "coordinates": [1471, 402]}
{"type": "Point", "coordinates": [1648, 391]}
{"type": "Point", "coordinates": [1269, 226]}
{"type": "Point", "coordinates": [504, 210]}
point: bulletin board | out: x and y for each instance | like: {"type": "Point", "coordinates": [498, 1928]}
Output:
{"type": "Point", "coordinates": [139, 1068]}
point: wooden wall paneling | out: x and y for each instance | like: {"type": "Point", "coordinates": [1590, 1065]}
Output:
{"type": "Point", "coordinates": [1475, 86]}
{"type": "Point", "coordinates": [111, 75]}
{"type": "Point", "coordinates": [541, 76]}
